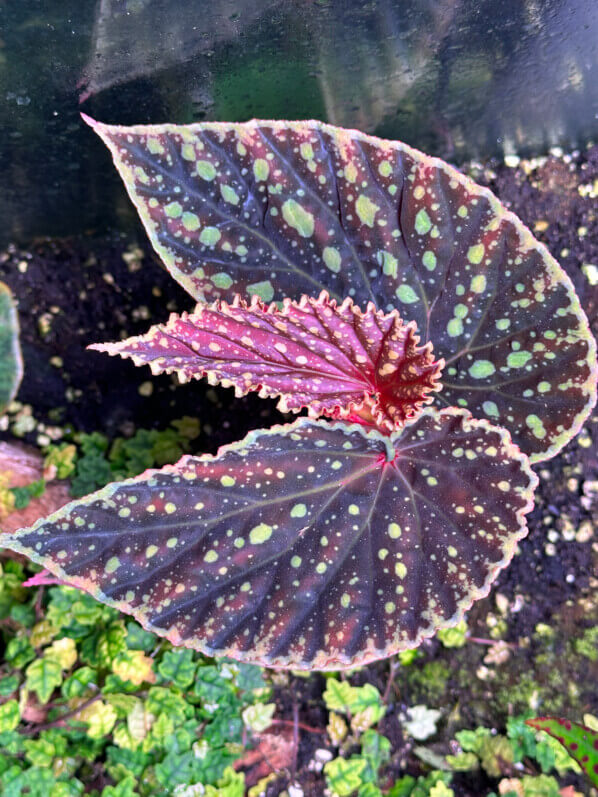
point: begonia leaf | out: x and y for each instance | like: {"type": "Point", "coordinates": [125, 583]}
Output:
{"type": "Point", "coordinates": [331, 358]}
{"type": "Point", "coordinates": [580, 741]}
{"type": "Point", "coordinates": [312, 545]}
{"type": "Point", "coordinates": [11, 364]}
{"type": "Point", "coordinates": [281, 209]}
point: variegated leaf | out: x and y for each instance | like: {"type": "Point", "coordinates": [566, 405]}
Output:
{"type": "Point", "coordinates": [280, 209]}
{"type": "Point", "coordinates": [579, 741]}
{"type": "Point", "coordinates": [11, 364]}
{"type": "Point", "coordinates": [314, 545]}
{"type": "Point", "coordinates": [333, 359]}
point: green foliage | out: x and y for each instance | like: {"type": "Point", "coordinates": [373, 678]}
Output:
{"type": "Point", "coordinates": [436, 784]}
{"type": "Point", "coordinates": [362, 703]}
{"type": "Point", "coordinates": [60, 459]}
{"type": "Point", "coordinates": [11, 366]}
{"type": "Point", "coordinates": [454, 637]}
{"type": "Point", "coordinates": [100, 462]}
{"type": "Point", "coordinates": [588, 644]}
{"type": "Point", "coordinates": [145, 724]}
{"type": "Point", "coordinates": [24, 495]}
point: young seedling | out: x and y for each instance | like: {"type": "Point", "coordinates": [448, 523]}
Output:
{"type": "Point", "coordinates": [362, 529]}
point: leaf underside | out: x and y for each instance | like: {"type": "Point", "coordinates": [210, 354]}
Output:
{"type": "Point", "coordinates": [580, 742]}
{"type": "Point", "coordinates": [313, 545]}
{"type": "Point", "coordinates": [281, 209]}
{"type": "Point", "coordinates": [11, 365]}
{"type": "Point", "coordinates": [332, 359]}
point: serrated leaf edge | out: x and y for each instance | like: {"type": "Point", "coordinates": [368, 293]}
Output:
{"type": "Point", "coordinates": [344, 409]}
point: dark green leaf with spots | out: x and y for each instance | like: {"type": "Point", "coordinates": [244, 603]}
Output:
{"type": "Point", "coordinates": [313, 545]}
{"type": "Point", "coordinates": [580, 742]}
{"type": "Point", "coordinates": [11, 365]}
{"type": "Point", "coordinates": [280, 209]}
{"type": "Point", "coordinates": [336, 360]}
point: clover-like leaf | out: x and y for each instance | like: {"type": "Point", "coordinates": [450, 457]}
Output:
{"type": "Point", "coordinates": [344, 776]}
{"type": "Point", "coordinates": [312, 545]}
{"type": "Point", "coordinates": [331, 358]}
{"type": "Point", "coordinates": [279, 209]}
{"type": "Point", "coordinates": [43, 675]}
{"type": "Point", "coordinates": [11, 364]}
{"type": "Point", "coordinates": [580, 741]}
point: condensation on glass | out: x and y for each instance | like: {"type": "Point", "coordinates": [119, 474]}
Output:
{"type": "Point", "coordinates": [456, 78]}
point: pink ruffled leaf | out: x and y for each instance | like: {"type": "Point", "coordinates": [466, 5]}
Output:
{"type": "Point", "coordinates": [333, 359]}
{"type": "Point", "coordinates": [314, 545]}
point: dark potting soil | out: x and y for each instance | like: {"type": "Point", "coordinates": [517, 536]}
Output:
{"type": "Point", "coordinates": [79, 291]}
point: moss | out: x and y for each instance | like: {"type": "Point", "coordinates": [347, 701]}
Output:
{"type": "Point", "coordinates": [429, 682]}
{"type": "Point", "coordinates": [588, 644]}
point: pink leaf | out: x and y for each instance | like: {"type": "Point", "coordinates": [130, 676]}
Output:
{"type": "Point", "coordinates": [43, 579]}
{"type": "Point", "coordinates": [334, 359]}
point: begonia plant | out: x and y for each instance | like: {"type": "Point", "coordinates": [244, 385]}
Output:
{"type": "Point", "coordinates": [437, 348]}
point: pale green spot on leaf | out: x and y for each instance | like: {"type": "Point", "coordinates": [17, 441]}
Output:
{"type": "Point", "coordinates": [297, 217]}
{"type": "Point", "coordinates": [422, 222]}
{"type": "Point", "coordinates": [261, 170]}
{"type": "Point", "coordinates": [260, 533]}
{"type": "Point", "coordinates": [429, 260]}
{"type": "Point", "coordinates": [299, 510]}
{"type": "Point", "coordinates": [389, 263]}
{"type": "Point", "coordinates": [406, 294]}
{"type": "Point", "coordinates": [475, 255]}
{"type": "Point", "coordinates": [173, 210]}
{"type": "Point", "coordinates": [209, 236]}
{"type": "Point", "coordinates": [191, 221]}
{"type": "Point", "coordinates": [262, 289]}
{"type": "Point", "coordinates": [332, 258]}
{"type": "Point", "coordinates": [481, 369]}
{"type": "Point", "coordinates": [517, 359]}
{"type": "Point", "coordinates": [206, 170]}
{"type": "Point", "coordinates": [366, 210]}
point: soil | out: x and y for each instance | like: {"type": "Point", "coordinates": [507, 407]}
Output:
{"type": "Point", "coordinates": [542, 603]}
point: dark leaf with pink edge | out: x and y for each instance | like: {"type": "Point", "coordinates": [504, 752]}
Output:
{"type": "Point", "coordinates": [580, 742]}
{"type": "Point", "coordinates": [279, 209]}
{"type": "Point", "coordinates": [314, 545]}
{"type": "Point", "coordinates": [314, 353]}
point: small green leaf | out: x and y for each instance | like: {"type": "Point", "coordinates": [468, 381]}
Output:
{"type": "Point", "coordinates": [19, 652]}
{"type": "Point", "coordinates": [579, 741]}
{"type": "Point", "coordinates": [463, 762]}
{"type": "Point", "coordinates": [168, 702]}
{"type": "Point", "coordinates": [79, 682]}
{"type": "Point", "coordinates": [258, 717]}
{"type": "Point", "coordinates": [344, 776]}
{"type": "Point", "coordinates": [375, 748]}
{"type": "Point", "coordinates": [125, 788]}
{"type": "Point", "coordinates": [8, 685]}
{"type": "Point", "coordinates": [455, 637]}
{"type": "Point", "coordinates": [338, 695]}
{"type": "Point", "coordinates": [9, 716]}
{"type": "Point", "coordinates": [42, 677]}
{"type": "Point", "coordinates": [178, 666]}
